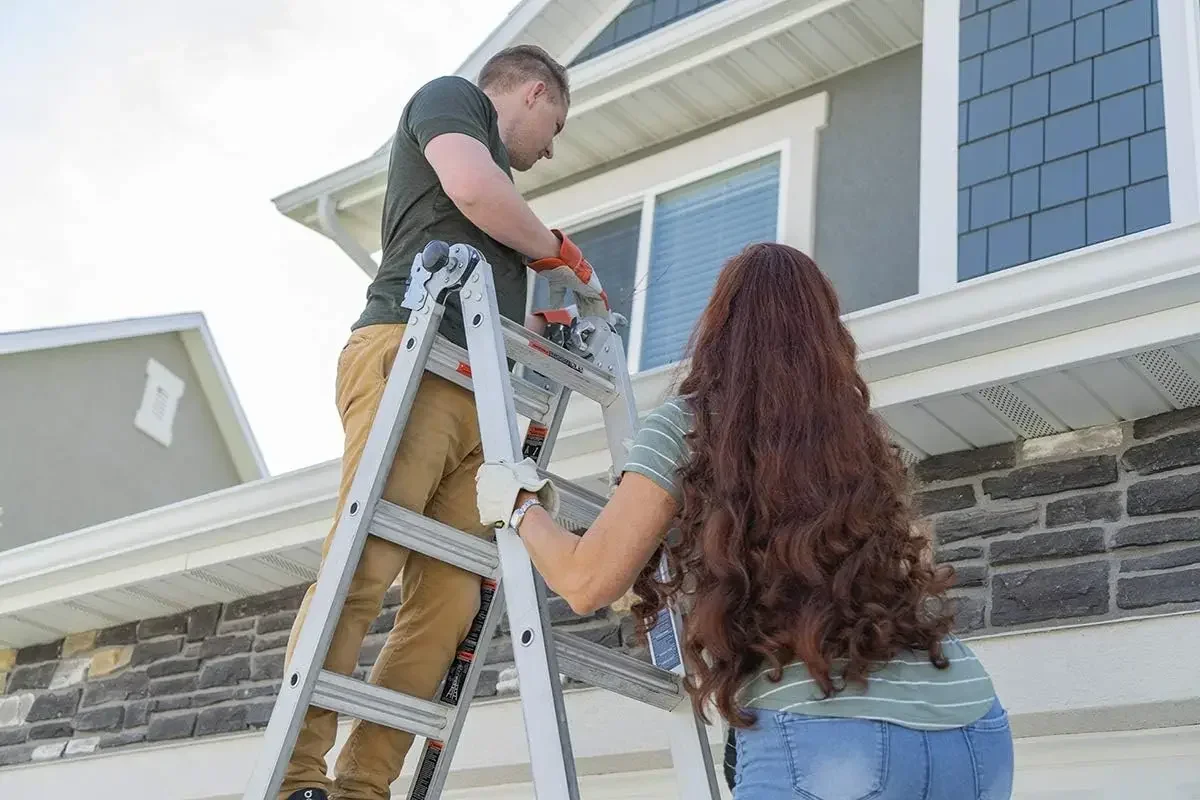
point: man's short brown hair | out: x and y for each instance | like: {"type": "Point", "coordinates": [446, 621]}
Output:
{"type": "Point", "coordinates": [514, 65]}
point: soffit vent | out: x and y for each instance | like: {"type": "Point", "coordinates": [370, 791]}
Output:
{"type": "Point", "coordinates": [205, 576]}
{"type": "Point", "coordinates": [1170, 374]}
{"type": "Point", "coordinates": [289, 566]}
{"type": "Point", "coordinates": [1020, 411]}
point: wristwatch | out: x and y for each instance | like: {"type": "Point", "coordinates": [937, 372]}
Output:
{"type": "Point", "coordinates": [518, 514]}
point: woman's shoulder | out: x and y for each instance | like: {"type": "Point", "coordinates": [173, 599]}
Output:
{"type": "Point", "coordinates": [660, 446]}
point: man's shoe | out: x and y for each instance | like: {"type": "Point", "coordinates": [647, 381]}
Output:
{"type": "Point", "coordinates": [308, 794]}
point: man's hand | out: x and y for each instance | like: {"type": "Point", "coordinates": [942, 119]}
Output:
{"type": "Point", "coordinates": [570, 270]}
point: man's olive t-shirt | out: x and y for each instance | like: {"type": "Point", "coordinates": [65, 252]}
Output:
{"type": "Point", "coordinates": [417, 210]}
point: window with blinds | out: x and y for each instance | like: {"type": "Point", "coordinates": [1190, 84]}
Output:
{"type": "Point", "coordinates": [697, 228]}
{"type": "Point", "coordinates": [611, 248]}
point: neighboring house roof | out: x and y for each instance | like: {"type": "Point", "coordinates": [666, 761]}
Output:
{"type": "Point", "coordinates": [202, 352]}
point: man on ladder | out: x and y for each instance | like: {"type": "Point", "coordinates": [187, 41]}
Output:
{"type": "Point", "coordinates": [450, 179]}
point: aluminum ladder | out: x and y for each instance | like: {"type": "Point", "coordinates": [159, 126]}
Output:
{"type": "Point", "coordinates": [589, 361]}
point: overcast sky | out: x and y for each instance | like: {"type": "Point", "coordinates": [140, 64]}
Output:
{"type": "Point", "coordinates": [140, 146]}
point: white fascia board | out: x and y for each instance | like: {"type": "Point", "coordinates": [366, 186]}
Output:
{"type": "Point", "coordinates": [25, 341]}
{"type": "Point", "coordinates": [301, 203]}
{"type": "Point", "coordinates": [244, 519]}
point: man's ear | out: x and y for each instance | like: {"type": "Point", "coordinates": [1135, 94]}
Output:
{"type": "Point", "coordinates": [537, 89]}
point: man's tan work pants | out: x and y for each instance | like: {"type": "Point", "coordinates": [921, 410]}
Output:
{"type": "Point", "coordinates": [433, 473]}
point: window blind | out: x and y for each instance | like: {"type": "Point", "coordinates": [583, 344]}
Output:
{"type": "Point", "coordinates": [697, 228]}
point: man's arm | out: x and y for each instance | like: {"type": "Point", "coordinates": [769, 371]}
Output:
{"type": "Point", "coordinates": [485, 195]}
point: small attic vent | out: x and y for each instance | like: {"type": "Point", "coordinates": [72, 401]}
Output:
{"type": "Point", "coordinates": [160, 400]}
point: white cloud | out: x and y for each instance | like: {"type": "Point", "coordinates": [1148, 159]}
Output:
{"type": "Point", "coordinates": [143, 143]}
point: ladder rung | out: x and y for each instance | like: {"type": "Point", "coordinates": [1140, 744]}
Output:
{"type": "Point", "coordinates": [576, 504]}
{"type": "Point", "coordinates": [617, 672]}
{"type": "Point", "coordinates": [450, 362]}
{"type": "Point", "coordinates": [428, 536]}
{"type": "Point", "coordinates": [542, 355]}
{"type": "Point", "coordinates": [371, 703]}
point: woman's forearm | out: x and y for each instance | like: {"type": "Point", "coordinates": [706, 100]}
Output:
{"type": "Point", "coordinates": [555, 554]}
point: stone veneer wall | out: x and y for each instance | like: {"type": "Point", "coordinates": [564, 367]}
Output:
{"type": "Point", "coordinates": [1092, 525]}
{"type": "Point", "coordinates": [210, 670]}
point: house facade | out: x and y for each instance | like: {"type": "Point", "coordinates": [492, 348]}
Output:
{"type": "Point", "coordinates": [1006, 195]}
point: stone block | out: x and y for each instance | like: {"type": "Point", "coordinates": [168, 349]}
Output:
{"type": "Point", "coordinates": [59, 729]}
{"type": "Point", "coordinates": [8, 658]}
{"type": "Point", "coordinates": [287, 599]}
{"type": "Point", "coordinates": [38, 653]}
{"type": "Point", "coordinates": [226, 645]}
{"type": "Point", "coordinates": [966, 463]}
{"type": "Point", "coordinates": [174, 625]}
{"type": "Point", "coordinates": [212, 697]}
{"type": "Point", "coordinates": [128, 686]}
{"type": "Point", "coordinates": [19, 754]}
{"type": "Point", "coordinates": [225, 672]}
{"type": "Point", "coordinates": [176, 684]}
{"type": "Point", "coordinates": [1175, 529]}
{"type": "Point", "coordinates": [1160, 589]}
{"type": "Point", "coordinates": [1123, 116]}
{"type": "Point", "coordinates": [1164, 495]}
{"type": "Point", "coordinates": [149, 652]}
{"type": "Point", "coordinates": [1052, 544]}
{"type": "Point", "coordinates": [221, 719]}
{"type": "Point", "coordinates": [137, 713]}
{"type": "Point", "coordinates": [951, 498]}
{"type": "Point", "coordinates": [946, 556]}
{"type": "Point", "coordinates": [32, 676]}
{"type": "Point", "coordinates": [48, 752]}
{"type": "Point", "coordinates": [172, 666]}
{"type": "Point", "coordinates": [370, 648]}
{"type": "Point", "coordinates": [70, 673]}
{"type": "Point", "coordinates": [14, 709]}
{"type": "Point", "coordinates": [271, 641]}
{"type": "Point", "coordinates": [108, 660]}
{"type": "Point", "coordinates": [1169, 560]}
{"type": "Point", "coordinates": [266, 667]}
{"type": "Point", "coordinates": [113, 740]}
{"type": "Point", "coordinates": [971, 575]}
{"type": "Point", "coordinates": [1121, 70]}
{"type": "Point", "coordinates": [236, 626]}
{"type": "Point", "coordinates": [1147, 205]}
{"type": "Point", "coordinates": [171, 726]}
{"type": "Point", "coordinates": [1054, 477]}
{"type": "Point", "coordinates": [202, 622]}
{"type": "Point", "coordinates": [258, 713]}
{"type": "Point", "coordinates": [76, 643]}
{"type": "Point", "coordinates": [170, 704]}
{"type": "Point", "coordinates": [1092, 507]}
{"type": "Point", "coordinates": [117, 635]}
{"type": "Point", "coordinates": [1167, 453]}
{"type": "Point", "coordinates": [1037, 595]}
{"type": "Point", "coordinates": [282, 621]}
{"type": "Point", "coordinates": [11, 736]}
{"type": "Point", "coordinates": [968, 612]}
{"type": "Point", "coordinates": [985, 523]}
{"type": "Point", "coordinates": [82, 746]}
{"type": "Point", "coordinates": [54, 705]}
{"type": "Point", "coordinates": [1171, 421]}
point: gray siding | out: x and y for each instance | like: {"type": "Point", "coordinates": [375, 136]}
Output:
{"type": "Point", "coordinates": [868, 182]}
{"type": "Point", "coordinates": [72, 456]}
{"type": "Point", "coordinates": [1062, 140]}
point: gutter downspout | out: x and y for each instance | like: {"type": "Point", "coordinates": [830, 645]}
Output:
{"type": "Point", "coordinates": [331, 226]}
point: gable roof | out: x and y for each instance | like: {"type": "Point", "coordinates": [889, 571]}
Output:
{"type": "Point", "coordinates": [197, 340]}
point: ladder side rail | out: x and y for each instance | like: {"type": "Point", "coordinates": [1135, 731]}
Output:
{"type": "Point", "coordinates": [346, 546]}
{"type": "Point", "coordinates": [546, 729]}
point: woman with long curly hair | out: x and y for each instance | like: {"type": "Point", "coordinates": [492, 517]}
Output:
{"type": "Point", "coordinates": [816, 619]}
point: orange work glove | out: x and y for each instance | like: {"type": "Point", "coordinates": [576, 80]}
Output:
{"type": "Point", "coordinates": [570, 270]}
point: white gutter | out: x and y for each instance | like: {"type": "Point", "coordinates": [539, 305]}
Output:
{"type": "Point", "coordinates": [331, 226]}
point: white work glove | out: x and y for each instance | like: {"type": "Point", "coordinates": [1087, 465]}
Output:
{"type": "Point", "coordinates": [497, 484]}
{"type": "Point", "coordinates": [570, 270]}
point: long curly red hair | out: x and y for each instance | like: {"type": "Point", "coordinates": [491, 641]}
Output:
{"type": "Point", "coordinates": [796, 537]}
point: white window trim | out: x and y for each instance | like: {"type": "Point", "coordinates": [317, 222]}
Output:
{"type": "Point", "coordinates": [1179, 39]}
{"type": "Point", "coordinates": [797, 184]}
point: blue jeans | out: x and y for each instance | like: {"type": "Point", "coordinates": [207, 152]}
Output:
{"type": "Point", "coordinates": [795, 756]}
